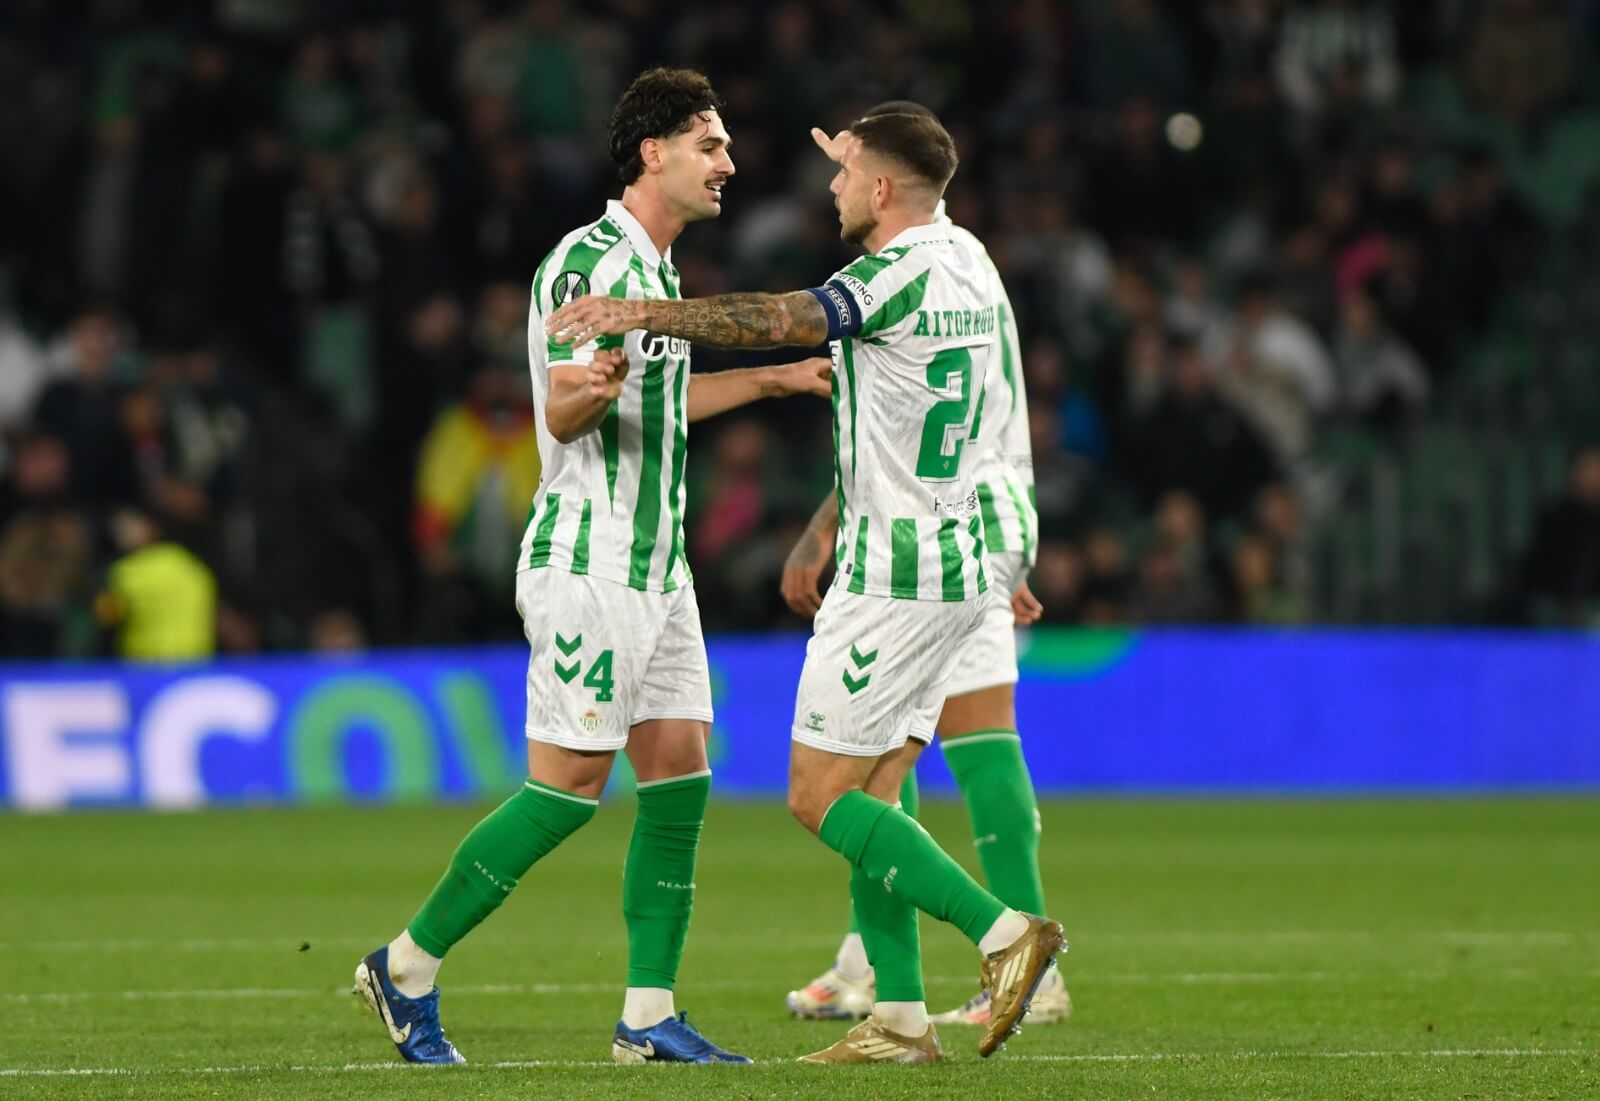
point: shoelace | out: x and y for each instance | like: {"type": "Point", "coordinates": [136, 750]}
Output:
{"type": "Point", "coordinates": [692, 1035]}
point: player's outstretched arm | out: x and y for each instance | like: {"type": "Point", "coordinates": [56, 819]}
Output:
{"type": "Point", "coordinates": [718, 391]}
{"type": "Point", "coordinates": [725, 321]}
{"type": "Point", "coordinates": [802, 570]}
{"type": "Point", "coordinates": [581, 394]}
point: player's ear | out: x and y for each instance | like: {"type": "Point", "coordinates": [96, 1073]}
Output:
{"type": "Point", "coordinates": [650, 152]}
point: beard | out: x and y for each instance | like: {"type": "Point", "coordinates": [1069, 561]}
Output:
{"type": "Point", "coordinates": [856, 233]}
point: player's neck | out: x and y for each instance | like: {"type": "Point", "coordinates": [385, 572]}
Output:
{"type": "Point", "coordinates": [658, 221]}
{"type": "Point", "coordinates": [892, 226]}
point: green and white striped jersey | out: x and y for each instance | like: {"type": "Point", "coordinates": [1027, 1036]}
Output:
{"type": "Point", "coordinates": [1002, 445]}
{"type": "Point", "coordinates": [611, 502]}
{"type": "Point", "coordinates": [908, 399]}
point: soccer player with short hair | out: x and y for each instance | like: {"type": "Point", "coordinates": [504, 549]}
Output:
{"type": "Point", "coordinates": [617, 660]}
{"type": "Point", "coordinates": [914, 326]}
{"type": "Point", "coordinates": [978, 723]}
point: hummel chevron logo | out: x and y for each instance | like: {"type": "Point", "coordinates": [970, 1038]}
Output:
{"type": "Point", "coordinates": [566, 672]}
{"type": "Point", "coordinates": [862, 660]}
{"type": "Point", "coordinates": [568, 648]}
{"type": "Point", "coordinates": [854, 685]}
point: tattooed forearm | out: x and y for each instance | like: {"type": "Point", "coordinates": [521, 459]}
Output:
{"type": "Point", "coordinates": [741, 320]}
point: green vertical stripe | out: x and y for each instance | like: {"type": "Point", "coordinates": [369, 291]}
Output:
{"type": "Point", "coordinates": [540, 553]}
{"type": "Point", "coordinates": [847, 353]}
{"type": "Point", "coordinates": [991, 518]}
{"type": "Point", "coordinates": [611, 444]}
{"type": "Point", "coordinates": [1008, 354]}
{"type": "Point", "coordinates": [1022, 519]}
{"type": "Point", "coordinates": [580, 547]}
{"type": "Point", "coordinates": [611, 425]}
{"type": "Point", "coordinates": [977, 417]}
{"type": "Point", "coordinates": [647, 506]}
{"type": "Point", "coordinates": [680, 440]}
{"type": "Point", "coordinates": [950, 562]}
{"type": "Point", "coordinates": [976, 531]}
{"type": "Point", "coordinates": [903, 558]}
{"type": "Point", "coordinates": [858, 573]}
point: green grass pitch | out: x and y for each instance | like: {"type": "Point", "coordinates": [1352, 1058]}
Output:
{"type": "Point", "coordinates": [1260, 949]}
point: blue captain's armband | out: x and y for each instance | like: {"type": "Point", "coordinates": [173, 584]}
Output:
{"type": "Point", "coordinates": [844, 316]}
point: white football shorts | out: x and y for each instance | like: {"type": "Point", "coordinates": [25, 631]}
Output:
{"type": "Point", "coordinates": [605, 656]}
{"type": "Point", "coordinates": [877, 670]}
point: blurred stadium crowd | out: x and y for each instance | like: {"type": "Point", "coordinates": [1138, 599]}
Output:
{"type": "Point", "coordinates": [1308, 292]}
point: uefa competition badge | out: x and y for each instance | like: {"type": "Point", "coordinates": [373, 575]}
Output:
{"type": "Point", "coordinates": [568, 285]}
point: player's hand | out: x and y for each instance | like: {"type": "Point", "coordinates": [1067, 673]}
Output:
{"type": "Point", "coordinates": [1025, 607]}
{"type": "Point", "coordinates": [583, 319]}
{"type": "Point", "coordinates": [802, 572]}
{"type": "Point", "coordinates": [808, 376]}
{"type": "Point", "coordinates": [606, 374]}
{"type": "Point", "coordinates": [835, 146]}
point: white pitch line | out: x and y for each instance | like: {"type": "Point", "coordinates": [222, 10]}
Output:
{"type": "Point", "coordinates": [1090, 981]}
{"type": "Point", "coordinates": [534, 1064]}
{"type": "Point", "coordinates": [1292, 936]}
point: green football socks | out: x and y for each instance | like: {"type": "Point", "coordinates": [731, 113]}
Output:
{"type": "Point", "coordinates": [492, 858]}
{"type": "Point", "coordinates": [910, 802]}
{"type": "Point", "coordinates": [658, 878]}
{"type": "Point", "coordinates": [994, 782]}
{"type": "Point", "coordinates": [900, 858]}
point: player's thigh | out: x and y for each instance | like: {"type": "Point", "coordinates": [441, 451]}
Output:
{"type": "Point", "coordinates": [817, 777]}
{"type": "Point", "coordinates": [875, 670]}
{"type": "Point", "coordinates": [889, 774]}
{"type": "Point", "coordinates": [590, 642]}
{"type": "Point", "coordinates": [676, 683]}
{"type": "Point", "coordinates": [665, 749]}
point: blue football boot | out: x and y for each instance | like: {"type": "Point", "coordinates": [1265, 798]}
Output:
{"type": "Point", "coordinates": [413, 1023]}
{"type": "Point", "coordinates": [674, 1040]}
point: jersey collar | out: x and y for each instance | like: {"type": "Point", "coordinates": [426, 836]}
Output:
{"type": "Point", "coordinates": [637, 237]}
{"type": "Point", "coordinates": [941, 217]}
{"type": "Point", "coordinates": [920, 235]}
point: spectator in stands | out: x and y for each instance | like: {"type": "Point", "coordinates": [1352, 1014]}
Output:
{"type": "Point", "coordinates": [1107, 585]}
{"type": "Point", "coordinates": [1561, 571]}
{"type": "Point", "coordinates": [478, 470]}
{"type": "Point", "coordinates": [1337, 57]}
{"type": "Point", "coordinates": [1274, 367]}
{"type": "Point", "coordinates": [22, 369]}
{"type": "Point", "coordinates": [1195, 440]}
{"type": "Point", "coordinates": [1259, 594]}
{"type": "Point", "coordinates": [160, 599]}
{"type": "Point", "coordinates": [1057, 581]}
{"type": "Point", "coordinates": [1382, 379]}
{"type": "Point", "coordinates": [80, 408]}
{"type": "Point", "coordinates": [44, 549]}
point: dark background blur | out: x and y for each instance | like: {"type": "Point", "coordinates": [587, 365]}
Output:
{"type": "Point", "coordinates": [1308, 291]}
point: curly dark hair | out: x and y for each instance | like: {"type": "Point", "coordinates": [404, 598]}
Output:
{"type": "Point", "coordinates": [660, 102]}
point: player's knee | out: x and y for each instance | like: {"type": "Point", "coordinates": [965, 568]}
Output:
{"type": "Point", "coordinates": [803, 805]}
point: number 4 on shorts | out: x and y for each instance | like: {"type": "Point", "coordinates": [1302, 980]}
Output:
{"type": "Point", "coordinates": [599, 675]}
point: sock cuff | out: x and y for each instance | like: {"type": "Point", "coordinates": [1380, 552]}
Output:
{"type": "Point", "coordinates": [557, 793]}
{"type": "Point", "coordinates": [688, 779]}
{"type": "Point", "coordinates": [980, 737]}
{"type": "Point", "coordinates": [849, 822]}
